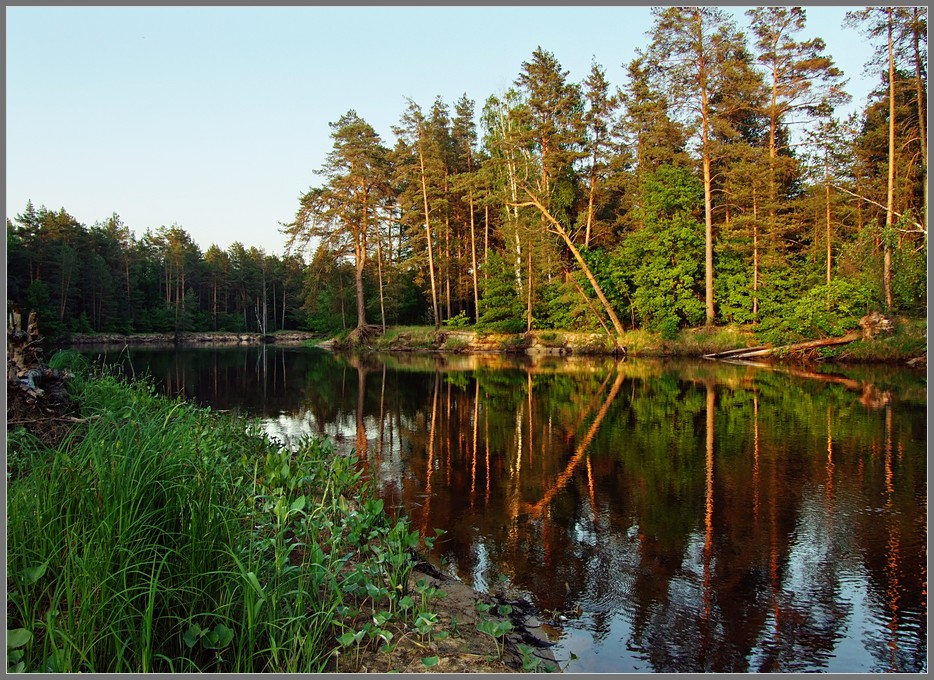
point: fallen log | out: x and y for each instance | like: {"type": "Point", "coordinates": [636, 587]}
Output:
{"type": "Point", "coordinates": [732, 353]}
{"type": "Point", "coordinates": [749, 353]}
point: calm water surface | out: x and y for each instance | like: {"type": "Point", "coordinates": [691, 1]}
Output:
{"type": "Point", "coordinates": [663, 516]}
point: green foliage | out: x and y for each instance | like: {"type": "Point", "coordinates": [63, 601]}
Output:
{"type": "Point", "coordinates": [501, 308]}
{"type": "Point", "coordinates": [823, 311]}
{"type": "Point", "coordinates": [909, 279]}
{"type": "Point", "coordinates": [459, 321]}
{"type": "Point", "coordinates": [103, 279]}
{"type": "Point", "coordinates": [733, 289]}
{"type": "Point", "coordinates": [665, 256]}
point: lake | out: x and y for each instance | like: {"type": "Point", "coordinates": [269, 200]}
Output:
{"type": "Point", "coordinates": [663, 516]}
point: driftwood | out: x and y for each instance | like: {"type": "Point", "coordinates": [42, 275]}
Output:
{"type": "Point", "coordinates": [873, 325]}
{"type": "Point", "coordinates": [753, 352]}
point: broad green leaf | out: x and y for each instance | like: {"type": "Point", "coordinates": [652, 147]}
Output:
{"type": "Point", "coordinates": [430, 661]}
{"type": "Point", "coordinates": [17, 637]}
{"type": "Point", "coordinates": [33, 574]}
{"type": "Point", "coordinates": [55, 663]}
{"type": "Point", "coordinates": [298, 504]}
{"type": "Point", "coordinates": [192, 635]}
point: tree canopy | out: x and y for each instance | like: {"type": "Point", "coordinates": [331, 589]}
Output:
{"type": "Point", "coordinates": [717, 184]}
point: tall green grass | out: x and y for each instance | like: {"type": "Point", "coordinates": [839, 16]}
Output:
{"type": "Point", "coordinates": [162, 537]}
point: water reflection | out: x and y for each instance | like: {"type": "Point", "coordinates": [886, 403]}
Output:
{"type": "Point", "coordinates": [668, 516]}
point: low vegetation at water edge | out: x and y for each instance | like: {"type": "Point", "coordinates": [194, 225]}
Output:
{"type": "Point", "coordinates": [162, 537]}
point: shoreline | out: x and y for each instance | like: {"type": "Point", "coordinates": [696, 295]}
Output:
{"type": "Point", "coordinates": [907, 347]}
{"type": "Point", "coordinates": [187, 339]}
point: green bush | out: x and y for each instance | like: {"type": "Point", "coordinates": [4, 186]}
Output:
{"type": "Point", "coordinates": [459, 321]}
{"type": "Point", "coordinates": [828, 310]}
{"type": "Point", "coordinates": [666, 254]}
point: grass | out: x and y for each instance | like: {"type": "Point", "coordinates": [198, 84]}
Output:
{"type": "Point", "coordinates": [689, 342]}
{"type": "Point", "coordinates": [163, 537]}
{"type": "Point", "coordinates": [407, 337]}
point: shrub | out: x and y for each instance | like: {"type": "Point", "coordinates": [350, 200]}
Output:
{"type": "Point", "coordinates": [828, 310]}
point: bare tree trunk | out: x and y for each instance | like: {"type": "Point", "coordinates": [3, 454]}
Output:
{"type": "Point", "coordinates": [919, 90]}
{"type": "Point", "coordinates": [447, 253]}
{"type": "Point", "coordinates": [340, 284]}
{"type": "Point", "coordinates": [890, 192]}
{"type": "Point", "coordinates": [708, 201]}
{"type": "Point", "coordinates": [265, 304]}
{"type": "Point", "coordinates": [473, 258]}
{"type": "Point", "coordinates": [528, 327]}
{"type": "Point", "coordinates": [827, 201]}
{"type": "Point", "coordinates": [275, 307]}
{"type": "Point", "coordinates": [431, 261]}
{"type": "Point", "coordinates": [379, 273]}
{"type": "Point", "coordinates": [755, 256]}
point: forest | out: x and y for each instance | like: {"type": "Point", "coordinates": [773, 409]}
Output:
{"type": "Point", "coordinates": [717, 185]}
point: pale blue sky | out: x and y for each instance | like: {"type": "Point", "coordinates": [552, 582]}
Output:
{"type": "Point", "coordinates": [216, 118]}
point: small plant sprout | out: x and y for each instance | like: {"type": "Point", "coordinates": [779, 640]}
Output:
{"type": "Point", "coordinates": [530, 662]}
{"type": "Point", "coordinates": [496, 630]}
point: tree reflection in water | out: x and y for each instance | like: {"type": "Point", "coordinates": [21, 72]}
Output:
{"type": "Point", "coordinates": [679, 516]}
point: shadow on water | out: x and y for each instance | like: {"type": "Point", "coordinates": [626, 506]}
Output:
{"type": "Point", "coordinates": [662, 515]}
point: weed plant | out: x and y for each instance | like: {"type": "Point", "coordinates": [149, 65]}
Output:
{"type": "Point", "coordinates": [163, 537]}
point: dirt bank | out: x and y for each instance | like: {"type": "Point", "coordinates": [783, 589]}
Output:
{"type": "Point", "coordinates": [457, 644]}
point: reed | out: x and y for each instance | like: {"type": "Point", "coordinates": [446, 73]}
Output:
{"type": "Point", "coordinates": [163, 537]}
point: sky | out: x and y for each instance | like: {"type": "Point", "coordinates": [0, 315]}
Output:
{"type": "Point", "coordinates": [216, 119]}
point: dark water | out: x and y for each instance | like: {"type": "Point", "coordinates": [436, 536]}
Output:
{"type": "Point", "coordinates": [664, 516]}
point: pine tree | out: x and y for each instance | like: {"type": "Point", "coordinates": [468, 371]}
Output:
{"type": "Point", "coordinates": [803, 83]}
{"type": "Point", "coordinates": [898, 51]}
{"type": "Point", "coordinates": [597, 122]}
{"type": "Point", "coordinates": [646, 137]}
{"type": "Point", "coordinates": [419, 167]}
{"type": "Point", "coordinates": [464, 134]}
{"type": "Point", "coordinates": [687, 57]}
{"type": "Point", "coordinates": [343, 212]}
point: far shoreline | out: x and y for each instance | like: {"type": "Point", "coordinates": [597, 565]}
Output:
{"type": "Point", "coordinates": [906, 346]}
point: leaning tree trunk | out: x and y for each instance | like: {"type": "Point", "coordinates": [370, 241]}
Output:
{"type": "Point", "coordinates": [560, 231]}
